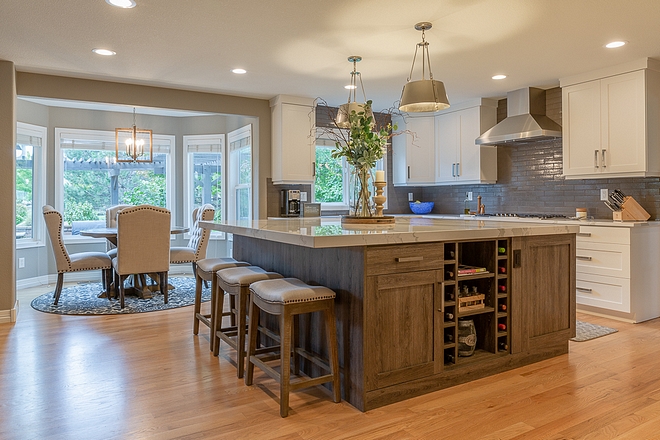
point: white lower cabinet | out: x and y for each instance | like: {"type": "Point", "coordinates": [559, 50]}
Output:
{"type": "Point", "coordinates": [617, 271]}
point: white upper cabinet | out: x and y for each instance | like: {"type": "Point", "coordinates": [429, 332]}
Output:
{"type": "Point", "coordinates": [293, 142]}
{"type": "Point", "coordinates": [610, 124]}
{"type": "Point", "coordinates": [413, 152]}
{"type": "Point", "coordinates": [459, 160]}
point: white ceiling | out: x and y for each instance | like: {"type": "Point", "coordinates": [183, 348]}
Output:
{"type": "Point", "coordinates": [300, 47]}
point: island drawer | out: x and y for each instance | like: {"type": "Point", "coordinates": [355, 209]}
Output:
{"type": "Point", "coordinates": [603, 234]}
{"type": "Point", "coordinates": [403, 258]}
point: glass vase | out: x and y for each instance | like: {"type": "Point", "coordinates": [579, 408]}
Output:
{"type": "Point", "coordinates": [360, 203]}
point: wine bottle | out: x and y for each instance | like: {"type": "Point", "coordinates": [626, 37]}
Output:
{"type": "Point", "coordinates": [501, 327]}
{"type": "Point", "coordinates": [501, 269]}
{"type": "Point", "coordinates": [449, 275]}
{"type": "Point", "coordinates": [501, 288]}
{"type": "Point", "coordinates": [449, 358]}
{"type": "Point", "coordinates": [451, 255]}
{"type": "Point", "coordinates": [449, 316]}
{"type": "Point", "coordinates": [501, 250]}
{"type": "Point", "coordinates": [450, 296]}
{"type": "Point", "coordinates": [502, 307]}
{"type": "Point", "coordinates": [449, 337]}
{"type": "Point", "coordinates": [503, 346]}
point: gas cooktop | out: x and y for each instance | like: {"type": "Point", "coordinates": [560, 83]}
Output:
{"type": "Point", "coordinates": [531, 216]}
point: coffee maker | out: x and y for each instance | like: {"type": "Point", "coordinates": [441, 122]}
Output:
{"type": "Point", "coordinates": [290, 203]}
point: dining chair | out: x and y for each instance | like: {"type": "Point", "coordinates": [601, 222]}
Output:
{"type": "Point", "coordinates": [76, 262]}
{"type": "Point", "coordinates": [111, 222]}
{"type": "Point", "coordinates": [199, 239]}
{"type": "Point", "coordinates": [143, 245]}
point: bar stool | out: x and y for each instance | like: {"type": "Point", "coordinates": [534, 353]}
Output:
{"type": "Point", "coordinates": [236, 282]}
{"type": "Point", "coordinates": [287, 298]}
{"type": "Point", "coordinates": [206, 269]}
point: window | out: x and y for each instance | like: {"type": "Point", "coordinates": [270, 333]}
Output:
{"type": "Point", "coordinates": [30, 183]}
{"type": "Point", "coordinates": [88, 180]}
{"type": "Point", "coordinates": [239, 206]}
{"type": "Point", "coordinates": [203, 174]}
{"type": "Point", "coordinates": [332, 180]}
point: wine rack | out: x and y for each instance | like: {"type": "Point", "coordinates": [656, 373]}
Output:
{"type": "Point", "coordinates": [476, 274]}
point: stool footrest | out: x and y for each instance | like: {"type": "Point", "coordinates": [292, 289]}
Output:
{"type": "Point", "coordinates": [204, 319]}
{"type": "Point", "coordinates": [313, 358]}
{"type": "Point", "coordinates": [305, 382]}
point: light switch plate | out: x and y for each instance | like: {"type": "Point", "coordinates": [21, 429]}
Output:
{"type": "Point", "coordinates": [410, 197]}
{"type": "Point", "coordinates": [604, 194]}
{"type": "Point", "coordinates": [21, 263]}
{"type": "Point", "coordinates": [469, 195]}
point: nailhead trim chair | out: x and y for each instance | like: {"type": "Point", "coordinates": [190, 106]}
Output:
{"type": "Point", "coordinates": [287, 298]}
{"type": "Point", "coordinates": [66, 262]}
{"type": "Point", "coordinates": [143, 245]}
{"type": "Point", "coordinates": [111, 222]}
{"type": "Point", "coordinates": [206, 269]}
{"type": "Point", "coordinates": [199, 239]}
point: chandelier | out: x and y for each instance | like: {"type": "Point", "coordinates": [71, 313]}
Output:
{"type": "Point", "coordinates": [134, 144]}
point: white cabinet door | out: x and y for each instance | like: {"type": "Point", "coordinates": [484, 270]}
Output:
{"type": "Point", "coordinates": [447, 130]}
{"type": "Point", "coordinates": [623, 122]}
{"type": "Point", "coordinates": [293, 149]}
{"type": "Point", "coordinates": [581, 128]}
{"type": "Point", "coordinates": [413, 152]}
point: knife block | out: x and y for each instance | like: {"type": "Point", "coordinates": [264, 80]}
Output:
{"type": "Point", "coordinates": [631, 211]}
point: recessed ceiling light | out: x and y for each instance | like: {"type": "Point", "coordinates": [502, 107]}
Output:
{"type": "Point", "coordinates": [350, 87]}
{"type": "Point", "coordinates": [105, 52]}
{"type": "Point", "coordinates": [239, 71]}
{"type": "Point", "coordinates": [615, 44]}
{"type": "Point", "coordinates": [499, 76]}
{"type": "Point", "coordinates": [122, 3]}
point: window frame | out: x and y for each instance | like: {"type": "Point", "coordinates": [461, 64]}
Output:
{"type": "Point", "coordinates": [206, 140]}
{"type": "Point", "coordinates": [233, 172]}
{"type": "Point", "coordinates": [167, 143]}
{"type": "Point", "coordinates": [38, 184]}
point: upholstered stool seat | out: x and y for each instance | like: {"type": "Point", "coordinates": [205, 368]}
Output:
{"type": "Point", "coordinates": [288, 298]}
{"type": "Point", "coordinates": [205, 271]}
{"type": "Point", "coordinates": [236, 282]}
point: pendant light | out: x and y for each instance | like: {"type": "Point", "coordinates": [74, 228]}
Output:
{"type": "Point", "coordinates": [345, 110]}
{"type": "Point", "coordinates": [134, 144]}
{"type": "Point", "coordinates": [425, 95]}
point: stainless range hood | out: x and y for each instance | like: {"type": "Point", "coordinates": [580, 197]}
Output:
{"type": "Point", "coordinates": [525, 122]}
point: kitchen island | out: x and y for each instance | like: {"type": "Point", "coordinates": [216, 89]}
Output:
{"type": "Point", "coordinates": [405, 293]}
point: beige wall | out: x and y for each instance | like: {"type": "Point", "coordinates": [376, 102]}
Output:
{"type": "Point", "coordinates": [8, 192]}
{"type": "Point", "coordinates": [237, 111]}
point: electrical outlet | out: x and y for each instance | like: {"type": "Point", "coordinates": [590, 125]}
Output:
{"type": "Point", "coordinates": [469, 195]}
{"type": "Point", "coordinates": [21, 263]}
{"type": "Point", "coordinates": [303, 196]}
{"type": "Point", "coordinates": [410, 197]}
{"type": "Point", "coordinates": [604, 194]}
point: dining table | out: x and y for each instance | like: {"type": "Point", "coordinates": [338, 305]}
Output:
{"type": "Point", "coordinates": [138, 285]}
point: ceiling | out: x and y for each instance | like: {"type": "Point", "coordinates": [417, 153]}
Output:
{"type": "Point", "coordinates": [300, 47]}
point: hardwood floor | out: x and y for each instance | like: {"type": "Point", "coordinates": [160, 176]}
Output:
{"type": "Point", "coordinates": [147, 376]}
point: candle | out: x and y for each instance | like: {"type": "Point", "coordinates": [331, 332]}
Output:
{"type": "Point", "coordinates": [380, 176]}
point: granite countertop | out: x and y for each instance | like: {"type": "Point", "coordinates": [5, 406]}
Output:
{"type": "Point", "coordinates": [324, 232]}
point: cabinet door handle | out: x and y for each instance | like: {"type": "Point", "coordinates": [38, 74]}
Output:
{"type": "Point", "coordinates": [596, 158]}
{"type": "Point", "coordinates": [313, 169]}
{"type": "Point", "coordinates": [408, 172]}
{"type": "Point", "coordinates": [458, 170]}
{"type": "Point", "coordinates": [583, 234]}
{"type": "Point", "coordinates": [407, 259]}
{"type": "Point", "coordinates": [580, 257]}
{"type": "Point", "coordinates": [602, 156]}
{"type": "Point", "coordinates": [583, 289]}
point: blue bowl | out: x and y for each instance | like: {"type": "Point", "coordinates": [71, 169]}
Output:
{"type": "Point", "coordinates": [421, 207]}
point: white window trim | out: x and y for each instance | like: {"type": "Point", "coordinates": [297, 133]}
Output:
{"type": "Point", "coordinates": [203, 140]}
{"type": "Point", "coordinates": [109, 137]}
{"type": "Point", "coordinates": [39, 185]}
{"type": "Point", "coordinates": [233, 173]}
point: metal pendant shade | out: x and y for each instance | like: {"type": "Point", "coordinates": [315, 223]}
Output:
{"type": "Point", "coordinates": [425, 95]}
{"type": "Point", "coordinates": [342, 119]}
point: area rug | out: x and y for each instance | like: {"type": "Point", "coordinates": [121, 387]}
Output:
{"type": "Point", "coordinates": [585, 331]}
{"type": "Point", "coordinates": [82, 299]}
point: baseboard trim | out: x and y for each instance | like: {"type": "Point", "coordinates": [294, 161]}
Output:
{"type": "Point", "coordinates": [8, 316]}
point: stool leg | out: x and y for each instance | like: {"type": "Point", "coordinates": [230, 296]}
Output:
{"type": "Point", "coordinates": [331, 330]}
{"type": "Point", "coordinates": [296, 329]}
{"type": "Point", "coordinates": [243, 296]}
{"type": "Point", "coordinates": [198, 303]}
{"type": "Point", "coordinates": [217, 324]}
{"type": "Point", "coordinates": [252, 341]}
{"type": "Point", "coordinates": [232, 308]}
{"type": "Point", "coordinates": [214, 314]}
{"type": "Point", "coordinates": [285, 362]}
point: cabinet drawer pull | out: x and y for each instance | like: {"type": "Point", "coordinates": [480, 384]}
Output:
{"type": "Point", "coordinates": [580, 257]}
{"type": "Point", "coordinates": [602, 156]}
{"type": "Point", "coordinates": [583, 289]}
{"type": "Point", "coordinates": [407, 259]}
{"type": "Point", "coordinates": [458, 169]}
{"type": "Point", "coordinates": [596, 158]}
{"type": "Point", "coordinates": [583, 234]}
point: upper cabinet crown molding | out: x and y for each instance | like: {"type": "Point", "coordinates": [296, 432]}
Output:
{"type": "Point", "coordinates": [631, 66]}
{"type": "Point", "coordinates": [610, 124]}
{"type": "Point", "coordinates": [293, 153]}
